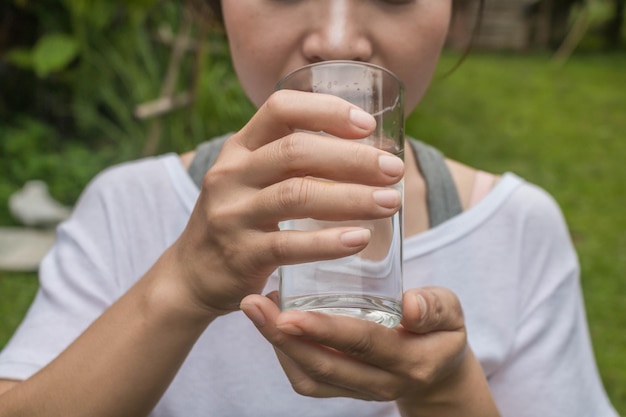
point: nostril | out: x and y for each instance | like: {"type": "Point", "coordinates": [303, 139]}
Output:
{"type": "Point", "coordinates": [319, 52]}
{"type": "Point", "coordinates": [316, 59]}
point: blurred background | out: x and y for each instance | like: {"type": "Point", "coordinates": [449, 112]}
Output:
{"type": "Point", "coordinates": [89, 83]}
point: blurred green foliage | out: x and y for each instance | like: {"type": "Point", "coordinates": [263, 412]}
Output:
{"type": "Point", "coordinates": [72, 73]}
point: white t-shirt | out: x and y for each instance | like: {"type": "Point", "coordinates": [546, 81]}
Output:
{"type": "Point", "coordinates": [509, 259]}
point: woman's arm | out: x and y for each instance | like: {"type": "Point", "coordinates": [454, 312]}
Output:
{"type": "Point", "coordinates": [7, 384]}
{"type": "Point", "coordinates": [123, 362]}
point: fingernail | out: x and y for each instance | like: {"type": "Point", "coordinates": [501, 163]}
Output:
{"type": "Point", "coordinates": [362, 119]}
{"type": "Point", "coordinates": [355, 238]}
{"type": "Point", "coordinates": [254, 314]}
{"type": "Point", "coordinates": [290, 328]}
{"type": "Point", "coordinates": [391, 165]}
{"type": "Point", "coordinates": [422, 304]}
{"type": "Point", "coordinates": [387, 198]}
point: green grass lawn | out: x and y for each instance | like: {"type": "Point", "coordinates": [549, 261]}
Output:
{"type": "Point", "coordinates": [16, 293]}
{"type": "Point", "coordinates": [561, 128]}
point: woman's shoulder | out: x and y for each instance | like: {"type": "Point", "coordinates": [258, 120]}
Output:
{"type": "Point", "coordinates": [540, 208]}
{"type": "Point", "coordinates": [130, 181]}
{"type": "Point", "coordinates": [138, 171]}
{"type": "Point", "coordinates": [524, 208]}
{"type": "Point", "coordinates": [475, 184]}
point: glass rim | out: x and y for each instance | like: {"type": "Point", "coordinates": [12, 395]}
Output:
{"type": "Point", "coordinates": [339, 63]}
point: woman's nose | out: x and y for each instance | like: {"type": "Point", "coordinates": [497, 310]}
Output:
{"type": "Point", "coordinates": [337, 32]}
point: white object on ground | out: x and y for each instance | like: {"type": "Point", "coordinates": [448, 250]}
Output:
{"type": "Point", "coordinates": [33, 206]}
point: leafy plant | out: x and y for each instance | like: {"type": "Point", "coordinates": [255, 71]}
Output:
{"type": "Point", "coordinates": [53, 52]}
{"type": "Point", "coordinates": [70, 94]}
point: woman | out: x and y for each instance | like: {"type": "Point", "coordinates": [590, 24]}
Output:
{"type": "Point", "coordinates": [141, 294]}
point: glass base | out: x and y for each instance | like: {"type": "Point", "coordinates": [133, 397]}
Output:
{"type": "Point", "coordinates": [381, 310]}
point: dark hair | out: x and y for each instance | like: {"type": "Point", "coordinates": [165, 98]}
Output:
{"type": "Point", "coordinates": [216, 9]}
{"type": "Point", "coordinates": [470, 43]}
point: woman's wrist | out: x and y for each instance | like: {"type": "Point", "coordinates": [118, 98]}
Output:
{"type": "Point", "coordinates": [464, 392]}
{"type": "Point", "coordinates": [168, 292]}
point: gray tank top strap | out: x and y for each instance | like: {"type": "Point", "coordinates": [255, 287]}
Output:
{"type": "Point", "coordinates": [206, 154]}
{"type": "Point", "coordinates": [442, 196]}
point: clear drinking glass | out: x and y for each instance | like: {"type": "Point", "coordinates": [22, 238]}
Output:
{"type": "Point", "coordinates": [367, 285]}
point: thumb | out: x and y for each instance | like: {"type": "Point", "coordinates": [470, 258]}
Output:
{"type": "Point", "coordinates": [430, 309]}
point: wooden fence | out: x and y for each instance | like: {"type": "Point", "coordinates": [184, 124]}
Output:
{"type": "Point", "coordinates": [512, 24]}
